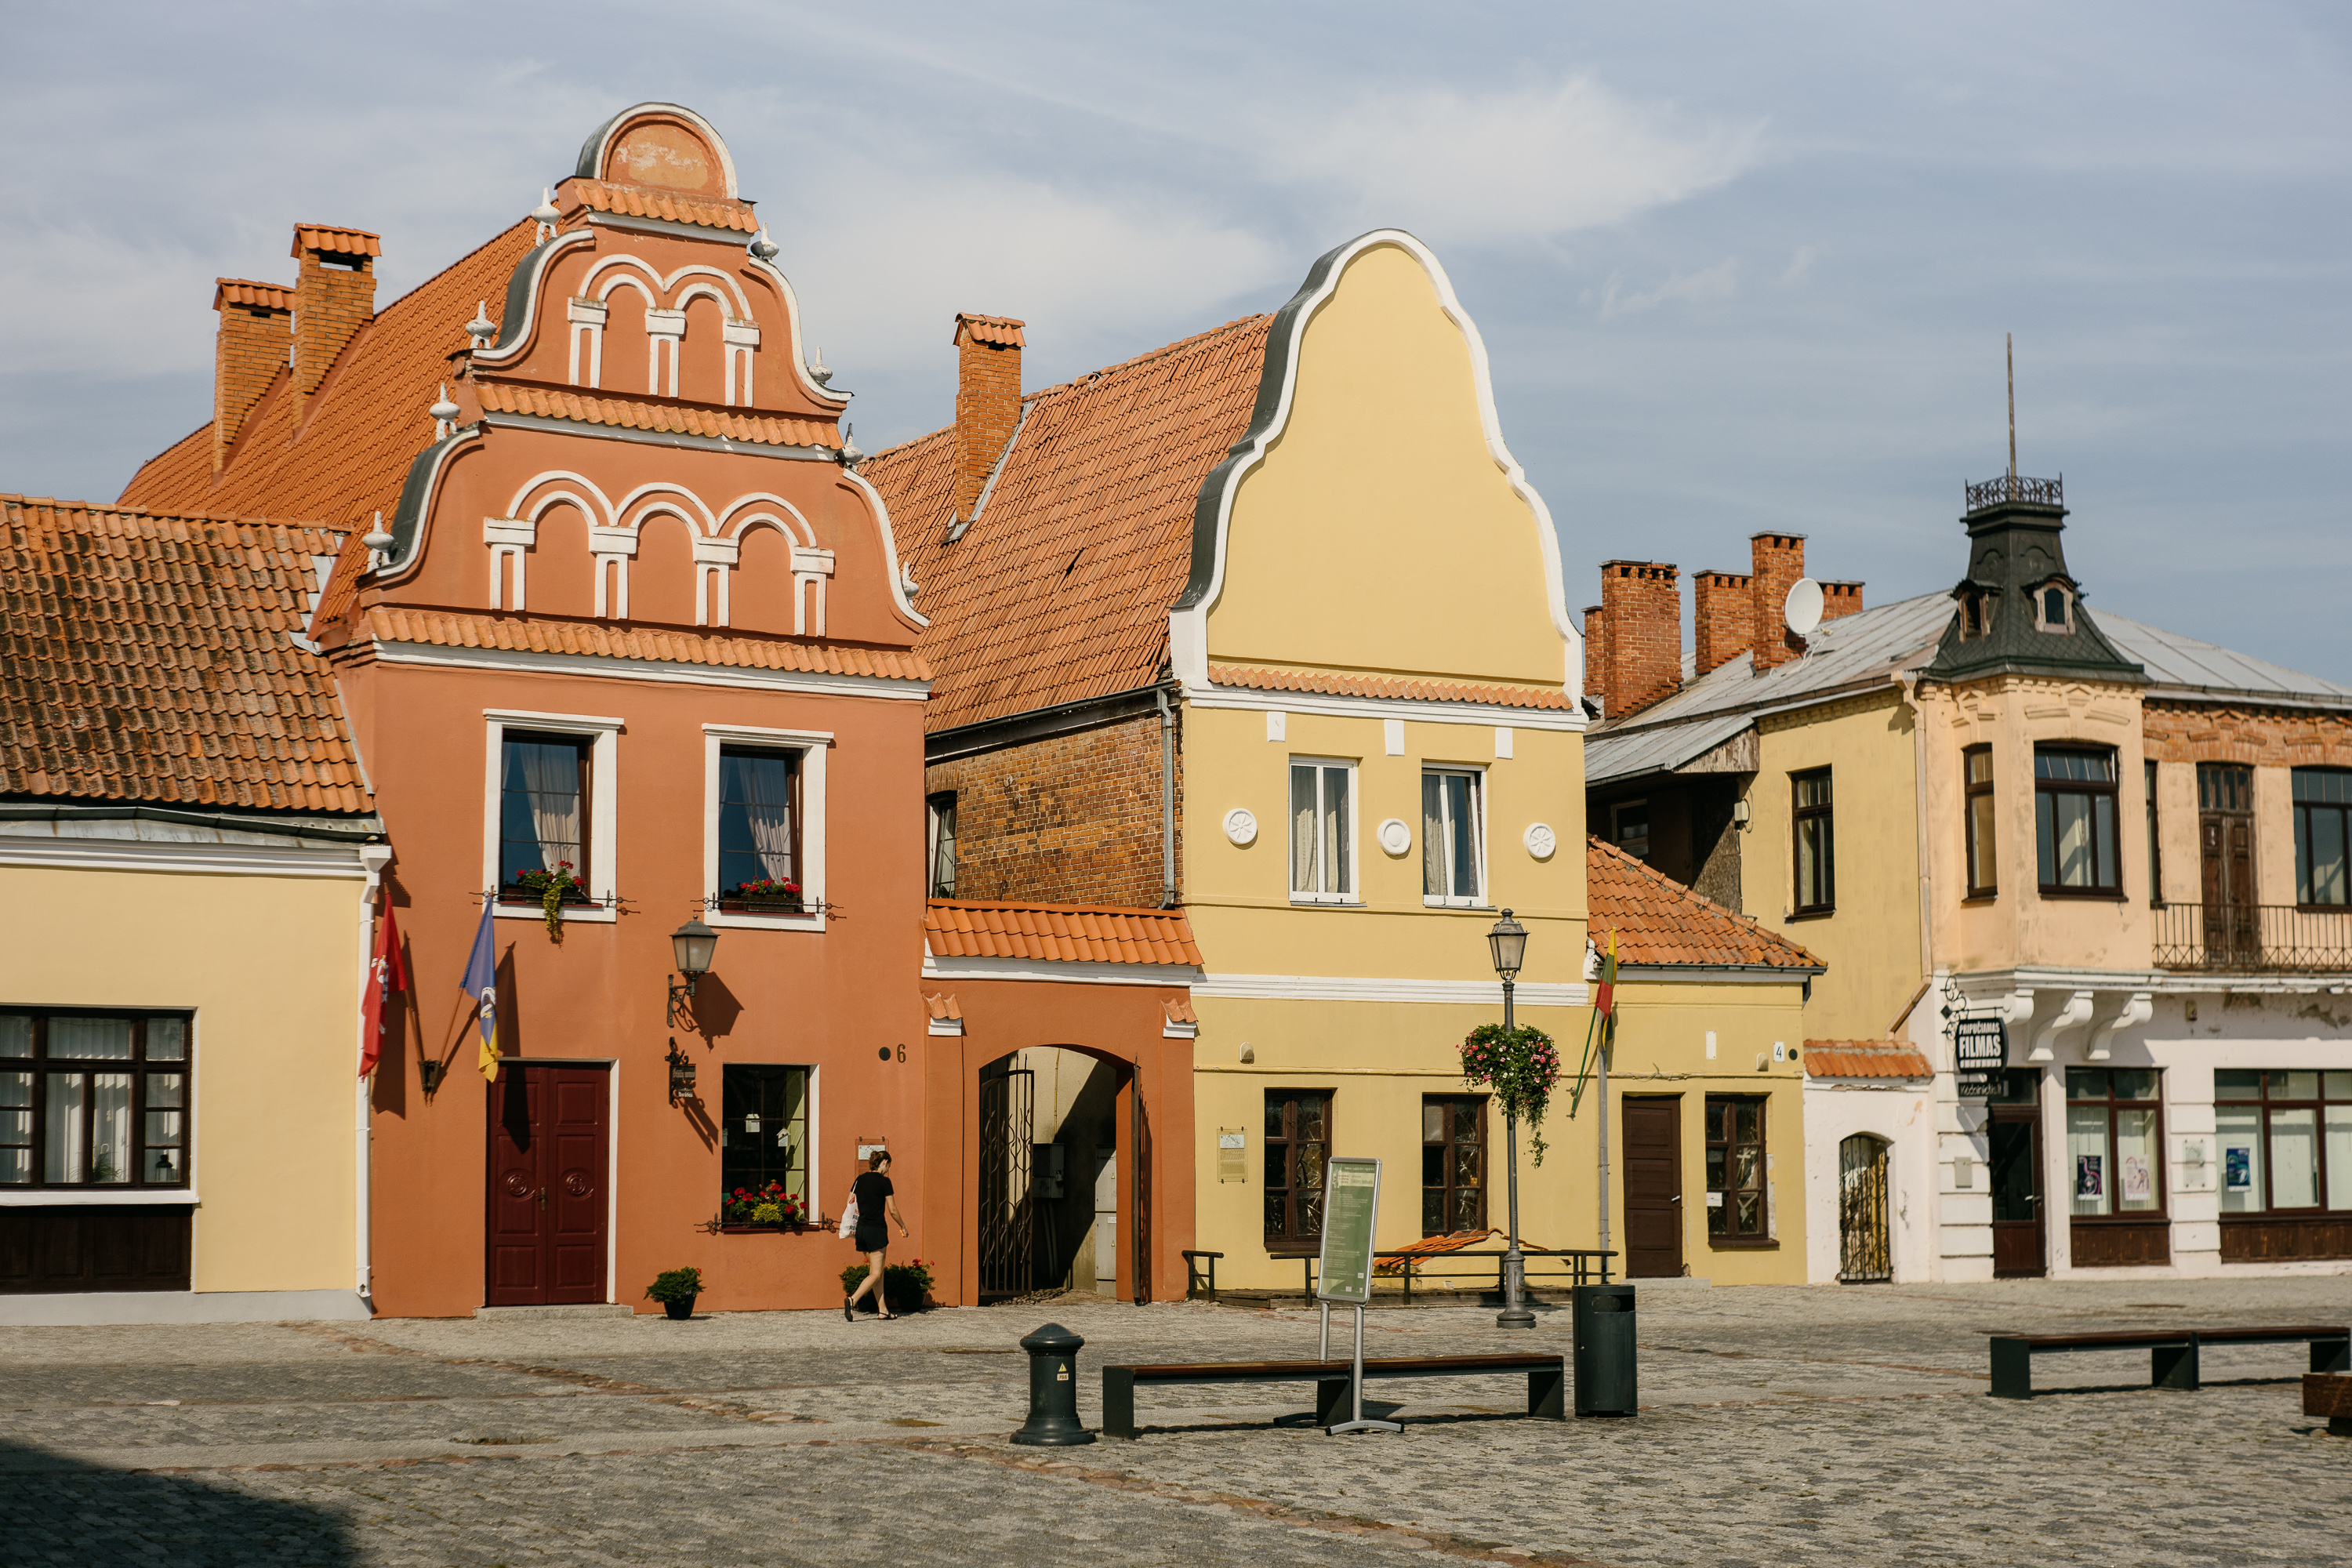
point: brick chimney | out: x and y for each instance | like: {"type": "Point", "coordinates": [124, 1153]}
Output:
{"type": "Point", "coordinates": [988, 401]}
{"type": "Point", "coordinates": [1840, 599]}
{"type": "Point", "coordinates": [248, 353]}
{"type": "Point", "coordinates": [1596, 656]}
{"type": "Point", "coordinates": [1726, 617]}
{"type": "Point", "coordinates": [1641, 611]}
{"type": "Point", "coordinates": [1780, 561]}
{"type": "Point", "coordinates": [335, 297]}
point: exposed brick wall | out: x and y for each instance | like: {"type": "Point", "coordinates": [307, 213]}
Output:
{"type": "Point", "coordinates": [330, 305]}
{"type": "Point", "coordinates": [1070, 819]}
{"type": "Point", "coordinates": [2263, 737]}
{"type": "Point", "coordinates": [1778, 561]}
{"type": "Point", "coordinates": [1840, 599]}
{"type": "Point", "coordinates": [988, 401]}
{"type": "Point", "coordinates": [248, 354]}
{"type": "Point", "coordinates": [1725, 618]}
{"type": "Point", "coordinates": [1596, 654]}
{"type": "Point", "coordinates": [1641, 606]}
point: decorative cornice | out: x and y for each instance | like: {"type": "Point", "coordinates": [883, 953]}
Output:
{"type": "Point", "coordinates": [1354, 988]}
{"type": "Point", "coordinates": [189, 859]}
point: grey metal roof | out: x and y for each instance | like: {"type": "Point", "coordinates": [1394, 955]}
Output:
{"type": "Point", "coordinates": [1867, 648]}
{"type": "Point", "coordinates": [2183, 664]}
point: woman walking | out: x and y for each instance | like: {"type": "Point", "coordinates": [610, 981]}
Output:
{"type": "Point", "coordinates": [872, 1194]}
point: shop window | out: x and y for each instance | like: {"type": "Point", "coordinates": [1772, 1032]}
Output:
{"type": "Point", "coordinates": [2286, 1140]}
{"type": "Point", "coordinates": [2075, 821]}
{"type": "Point", "coordinates": [1977, 806]}
{"type": "Point", "coordinates": [758, 829]}
{"type": "Point", "coordinates": [1322, 832]}
{"type": "Point", "coordinates": [940, 811]}
{"type": "Point", "coordinates": [1629, 827]}
{"type": "Point", "coordinates": [1452, 1164]}
{"type": "Point", "coordinates": [764, 1165]}
{"type": "Point", "coordinates": [542, 816]}
{"type": "Point", "coordinates": [93, 1099]}
{"type": "Point", "coordinates": [2115, 1156]}
{"type": "Point", "coordinates": [2323, 834]}
{"type": "Point", "coordinates": [1736, 1209]}
{"type": "Point", "coordinates": [1813, 830]}
{"type": "Point", "coordinates": [1298, 1146]}
{"type": "Point", "coordinates": [1453, 837]}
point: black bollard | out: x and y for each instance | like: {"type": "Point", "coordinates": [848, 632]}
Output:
{"type": "Point", "coordinates": [1053, 1390]}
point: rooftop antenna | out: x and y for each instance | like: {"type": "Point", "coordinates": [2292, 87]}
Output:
{"type": "Point", "coordinates": [2008, 348]}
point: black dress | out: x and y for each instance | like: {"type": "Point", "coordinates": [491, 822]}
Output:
{"type": "Point", "coordinates": [873, 1220]}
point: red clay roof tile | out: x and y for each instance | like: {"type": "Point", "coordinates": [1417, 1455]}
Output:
{"type": "Point", "coordinates": [1060, 590]}
{"type": "Point", "coordinates": [1335, 684]}
{"type": "Point", "coordinates": [942, 1004]}
{"type": "Point", "coordinates": [997, 331]}
{"type": "Point", "coordinates": [341, 241]}
{"type": "Point", "coordinates": [632, 201]}
{"type": "Point", "coordinates": [246, 292]}
{"type": "Point", "coordinates": [386, 623]}
{"type": "Point", "coordinates": [682, 418]}
{"type": "Point", "coordinates": [1096, 934]}
{"type": "Point", "coordinates": [146, 658]}
{"type": "Point", "coordinates": [1657, 920]}
{"type": "Point", "coordinates": [1865, 1058]}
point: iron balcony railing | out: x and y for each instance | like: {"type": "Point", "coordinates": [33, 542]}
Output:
{"type": "Point", "coordinates": [2253, 939]}
{"type": "Point", "coordinates": [2015, 487]}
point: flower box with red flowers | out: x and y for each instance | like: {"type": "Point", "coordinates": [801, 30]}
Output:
{"type": "Point", "coordinates": [766, 896]}
{"type": "Point", "coordinates": [762, 1208]}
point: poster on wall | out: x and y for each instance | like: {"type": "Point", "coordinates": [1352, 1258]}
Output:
{"type": "Point", "coordinates": [2238, 1167]}
{"type": "Point", "coordinates": [2138, 1183]}
{"type": "Point", "coordinates": [2088, 1174]}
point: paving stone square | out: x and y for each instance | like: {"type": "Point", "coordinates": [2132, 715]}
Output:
{"type": "Point", "coordinates": [1776, 1426]}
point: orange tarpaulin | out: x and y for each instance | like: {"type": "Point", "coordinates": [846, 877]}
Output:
{"type": "Point", "coordinates": [1437, 1246]}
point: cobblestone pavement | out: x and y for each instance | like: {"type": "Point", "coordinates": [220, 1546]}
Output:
{"type": "Point", "coordinates": [1778, 1425]}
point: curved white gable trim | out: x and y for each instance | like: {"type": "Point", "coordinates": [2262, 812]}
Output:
{"type": "Point", "coordinates": [1187, 627]}
{"type": "Point", "coordinates": [836, 400]}
{"type": "Point", "coordinates": [540, 261]}
{"type": "Point", "coordinates": [630, 116]}
{"type": "Point", "coordinates": [893, 568]}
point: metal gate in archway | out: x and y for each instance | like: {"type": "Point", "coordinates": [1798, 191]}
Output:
{"type": "Point", "coordinates": [1008, 1115]}
{"type": "Point", "coordinates": [1866, 1250]}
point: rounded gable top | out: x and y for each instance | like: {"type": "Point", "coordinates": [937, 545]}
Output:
{"type": "Point", "coordinates": [662, 145]}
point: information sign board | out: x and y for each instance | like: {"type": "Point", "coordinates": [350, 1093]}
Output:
{"type": "Point", "coordinates": [1981, 1044]}
{"type": "Point", "coordinates": [1351, 1203]}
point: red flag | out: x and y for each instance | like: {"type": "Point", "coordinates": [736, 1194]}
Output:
{"type": "Point", "coordinates": [1604, 1001]}
{"type": "Point", "coordinates": [387, 977]}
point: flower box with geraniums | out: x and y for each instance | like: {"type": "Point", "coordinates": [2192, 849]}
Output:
{"type": "Point", "coordinates": [675, 1290]}
{"type": "Point", "coordinates": [909, 1285]}
{"type": "Point", "coordinates": [762, 1208]}
{"type": "Point", "coordinates": [550, 891]}
{"type": "Point", "coordinates": [765, 896]}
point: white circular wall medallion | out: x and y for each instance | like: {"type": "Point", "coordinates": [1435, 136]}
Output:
{"type": "Point", "coordinates": [1541, 840]}
{"type": "Point", "coordinates": [1396, 837]}
{"type": "Point", "coordinates": [1241, 827]}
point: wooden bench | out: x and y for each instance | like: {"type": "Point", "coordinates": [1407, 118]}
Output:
{"type": "Point", "coordinates": [2329, 1394]}
{"type": "Point", "coordinates": [1547, 1381]}
{"type": "Point", "coordinates": [2172, 1353]}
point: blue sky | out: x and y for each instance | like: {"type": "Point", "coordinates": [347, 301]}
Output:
{"type": "Point", "coordinates": [1739, 267]}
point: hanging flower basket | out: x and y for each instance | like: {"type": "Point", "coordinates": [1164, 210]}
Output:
{"type": "Point", "coordinates": [1522, 1066]}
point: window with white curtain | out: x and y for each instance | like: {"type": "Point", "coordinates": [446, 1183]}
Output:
{"type": "Point", "coordinates": [1322, 832]}
{"type": "Point", "coordinates": [542, 811]}
{"type": "Point", "coordinates": [1453, 837]}
{"type": "Point", "coordinates": [758, 827]}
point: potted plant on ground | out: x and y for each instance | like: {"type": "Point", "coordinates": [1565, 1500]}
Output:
{"type": "Point", "coordinates": [675, 1290]}
{"type": "Point", "coordinates": [908, 1284]}
{"type": "Point", "coordinates": [767, 895]}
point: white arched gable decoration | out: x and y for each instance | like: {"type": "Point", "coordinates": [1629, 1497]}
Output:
{"type": "Point", "coordinates": [1187, 623]}
{"type": "Point", "coordinates": [592, 156]}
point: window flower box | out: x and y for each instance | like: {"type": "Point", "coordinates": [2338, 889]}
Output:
{"type": "Point", "coordinates": [763, 1208]}
{"type": "Point", "coordinates": [763, 898]}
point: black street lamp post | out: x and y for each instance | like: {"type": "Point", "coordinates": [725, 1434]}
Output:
{"type": "Point", "coordinates": [1508, 940]}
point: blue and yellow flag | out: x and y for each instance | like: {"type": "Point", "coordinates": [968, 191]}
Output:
{"type": "Point", "coordinates": [482, 984]}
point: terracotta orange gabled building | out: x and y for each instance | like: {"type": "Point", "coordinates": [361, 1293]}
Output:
{"type": "Point", "coordinates": [624, 644]}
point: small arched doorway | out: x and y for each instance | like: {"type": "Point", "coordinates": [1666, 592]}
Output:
{"type": "Point", "coordinates": [1865, 1252]}
{"type": "Point", "coordinates": [1061, 1196]}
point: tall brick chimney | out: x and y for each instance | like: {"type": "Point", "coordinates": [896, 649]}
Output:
{"type": "Point", "coordinates": [988, 401]}
{"type": "Point", "coordinates": [1596, 656]}
{"type": "Point", "coordinates": [335, 297]}
{"type": "Point", "coordinates": [247, 353]}
{"type": "Point", "coordinates": [1780, 561]}
{"type": "Point", "coordinates": [1725, 618]}
{"type": "Point", "coordinates": [1642, 612]}
{"type": "Point", "coordinates": [1840, 599]}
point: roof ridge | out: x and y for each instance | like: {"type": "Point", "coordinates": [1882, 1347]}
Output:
{"type": "Point", "coordinates": [1101, 373]}
{"type": "Point", "coordinates": [1692, 895]}
{"type": "Point", "coordinates": [185, 516]}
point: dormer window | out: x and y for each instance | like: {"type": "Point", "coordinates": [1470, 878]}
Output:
{"type": "Point", "coordinates": [1976, 608]}
{"type": "Point", "coordinates": [2053, 609]}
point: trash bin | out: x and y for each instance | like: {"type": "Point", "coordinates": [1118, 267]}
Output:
{"type": "Point", "coordinates": [1601, 1321]}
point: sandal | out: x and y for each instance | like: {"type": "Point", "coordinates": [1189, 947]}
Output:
{"type": "Point", "coordinates": [848, 1313]}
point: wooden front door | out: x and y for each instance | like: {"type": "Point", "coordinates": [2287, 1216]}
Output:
{"type": "Point", "coordinates": [2225, 835]}
{"type": "Point", "coordinates": [1654, 1187]}
{"type": "Point", "coordinates": [548, 1185]}
{"type": "Point", "coordinates": [2020, 1246]}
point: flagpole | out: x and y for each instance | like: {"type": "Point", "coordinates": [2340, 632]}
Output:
{"type": "Point", "coordinates": [1605, 1144]}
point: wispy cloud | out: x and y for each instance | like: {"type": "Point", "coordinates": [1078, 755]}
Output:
{"type": "Point", "coordinates": [1720, 281]}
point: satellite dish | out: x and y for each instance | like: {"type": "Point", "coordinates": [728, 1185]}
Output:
{"type": "Point", "coordinates": [1802, 608]}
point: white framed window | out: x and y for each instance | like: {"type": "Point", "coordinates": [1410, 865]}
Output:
{"type": "Point", "coordinates": [941, 810]}
{"type": "Point", "coordinates": [1322, 831]}
{"type": "Point", "coordinates": [764, 826]}
{"type": "Point", "coordinates": [551, 802]}
{"type": "Point", "coordinates": [1453, 836]}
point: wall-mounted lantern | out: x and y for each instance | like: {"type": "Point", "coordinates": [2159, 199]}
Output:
{"type": "Point", "coordinates": [682, 1074]}
{"type": "Point", "coordinates": [692, 944]}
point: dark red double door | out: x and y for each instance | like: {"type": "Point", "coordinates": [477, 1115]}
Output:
{"type": "Point", "coordinates": [549, 1181]}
